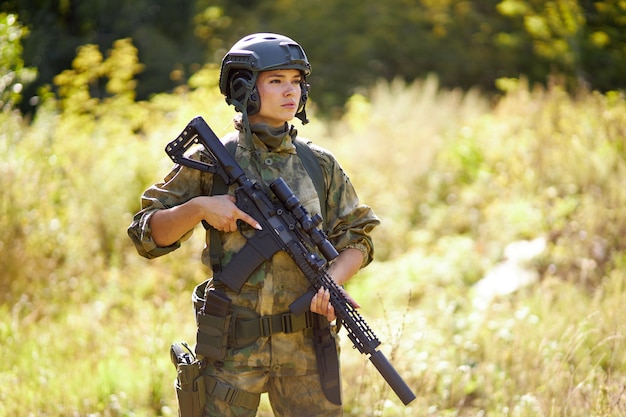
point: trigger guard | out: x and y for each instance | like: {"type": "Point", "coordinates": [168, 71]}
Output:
{"type": "Point", "coordinates": [242, 203]}
{"type": "Point", "coordinates": [245, 229]}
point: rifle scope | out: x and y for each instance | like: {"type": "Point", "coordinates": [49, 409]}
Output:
{"type": "Point", "coordinates": [309, 224]}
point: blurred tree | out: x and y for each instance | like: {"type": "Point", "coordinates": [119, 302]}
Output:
{"type": "Point", "coordinates": [162, 32]}
{"type": "Point", "coordinates": [13, 74]}
{"type": "Point", "coordinates": [350, 43]}
{"type": "Point", "coordinates": [554, 29]}
{"type": "Point", "coordinates": [583, 41]}
{"type": "Point", "coordinates": [603, 51]}
{"type": "Point", "coordinates": [80, 88]}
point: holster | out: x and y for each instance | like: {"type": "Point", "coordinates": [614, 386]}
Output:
{"type": "Point", "coordinates": [327, 359]}
{"type": "Point", "coordinates": [189, 383]}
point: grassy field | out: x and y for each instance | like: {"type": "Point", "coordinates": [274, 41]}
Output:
{"type": "Point", "coordinates": [86, 324]}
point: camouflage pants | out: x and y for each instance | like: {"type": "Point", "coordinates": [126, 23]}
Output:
{"type": "Point", "coordinates": [289, 396]}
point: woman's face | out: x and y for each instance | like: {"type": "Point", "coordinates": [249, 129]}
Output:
{"type": "Point", "coordinates": [279, 92]}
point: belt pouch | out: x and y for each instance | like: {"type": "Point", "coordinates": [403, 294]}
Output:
{"type": "Point", "coordinates": [214, 325]}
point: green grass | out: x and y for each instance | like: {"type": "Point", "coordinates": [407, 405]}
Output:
{"type": "Point", "coordinates": [86, 324]}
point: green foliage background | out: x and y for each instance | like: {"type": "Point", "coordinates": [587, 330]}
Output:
{"type": "Point", "coordinates": [455, 172]}
{"type": "Point", "coordinates": [85, 323]}
{"type": "Point", "coordinates": [351, 43]}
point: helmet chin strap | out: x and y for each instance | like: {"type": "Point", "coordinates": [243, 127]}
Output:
{"type": "Point", "coordinates": [302, 115]}
{"type": "Point", "coordinates": [304, 96]}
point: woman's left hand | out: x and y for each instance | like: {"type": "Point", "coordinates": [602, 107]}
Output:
{"type": "Point", "coordinates": [320, 303]}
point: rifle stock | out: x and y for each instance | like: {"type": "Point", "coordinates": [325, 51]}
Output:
{"type": "Point", "coordinates": [288, 227]}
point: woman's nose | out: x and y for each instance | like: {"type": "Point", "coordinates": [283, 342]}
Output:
{"type": "Point", "coordinates": [291, 89]}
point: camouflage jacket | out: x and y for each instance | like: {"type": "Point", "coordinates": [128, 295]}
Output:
{"type": "Point", "coordinates": [278, 282]}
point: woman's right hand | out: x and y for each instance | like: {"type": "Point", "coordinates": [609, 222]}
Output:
{"type": "Point", "coordinates": [221, 212]}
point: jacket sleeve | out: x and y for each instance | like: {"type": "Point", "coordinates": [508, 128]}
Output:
{"type": "Point", "coordinates": [179, 186]}
{"type": "Point", "coordinates": [349, 222]}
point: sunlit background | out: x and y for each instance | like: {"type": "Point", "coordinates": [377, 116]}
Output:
{"type": "Point", "coordinates": [489, 136]}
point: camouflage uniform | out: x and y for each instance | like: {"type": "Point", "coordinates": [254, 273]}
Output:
{"type": "Point", "coordinates": [284, 365]}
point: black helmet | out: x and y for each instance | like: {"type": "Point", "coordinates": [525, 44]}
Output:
{"type": "Point", "coordinates": [253, 54]}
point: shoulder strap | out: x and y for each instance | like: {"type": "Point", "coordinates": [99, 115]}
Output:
{"type": "Point", "coordinates": [218, 187]}
{"type": "Point", "coordinates": [314, 169]}
{"type": "Point", "coordinates": [306, 155]}
{"type": "Point", "coordinates": [312, 166]}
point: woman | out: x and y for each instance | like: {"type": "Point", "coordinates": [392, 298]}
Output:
{"type": "Point", "coordinates": [264, 77]}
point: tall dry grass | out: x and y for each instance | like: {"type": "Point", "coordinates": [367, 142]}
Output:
{"type": "Point", "coordinates": [85, 324]}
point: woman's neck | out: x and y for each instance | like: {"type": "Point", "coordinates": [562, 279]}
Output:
{"type": "Point", "coordinates": [272, 137]}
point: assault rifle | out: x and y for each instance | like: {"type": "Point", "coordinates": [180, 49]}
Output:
{"type": "Point", "coordinates": [286, 226]}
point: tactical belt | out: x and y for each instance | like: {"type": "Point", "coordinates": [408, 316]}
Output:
{"type": "Point", "coordinates": [230, 394]}
{"type": "Point", "coordinates": [265, 326]}
{"type": "Point", "coordinates": [216, 334]}
{"type": "Point", "coordinates": [250, 329]}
